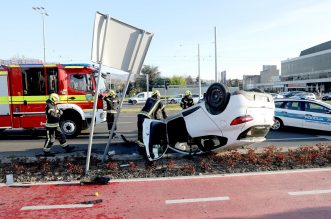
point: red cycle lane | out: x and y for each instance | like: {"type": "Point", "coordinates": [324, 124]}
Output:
{"type": "Point", "coordinates": [293, 194]}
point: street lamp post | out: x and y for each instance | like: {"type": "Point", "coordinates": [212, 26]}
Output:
{"type": "Point", "coordinates": [43, 12]}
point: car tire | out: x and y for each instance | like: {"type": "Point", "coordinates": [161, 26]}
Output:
{"type": "Point", "coordinates": [134, 102]}
{"type": "Point", "coordinates": [278, 124]}
{"type": "Point", "coordinates": [173, 101]}
{"type": "Point", "coordinates": [217, 98]}
{"type": "Point", "coordinates": [71, 127]}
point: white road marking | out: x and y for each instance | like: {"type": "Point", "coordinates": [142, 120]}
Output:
{"type": "Point", "coordinates": [190, 200]}
{"type": "Point", "coordinates": [46, 207]}
{"type": "Point", "coordinates": [312, 192]}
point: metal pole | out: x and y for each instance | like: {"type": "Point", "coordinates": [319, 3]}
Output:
{"type": "Point", "coordinates": [116, 118]}
{"type": "Point", "coordinates": [216, 78]}
{"type": "Point", "coordinates": [43, 12]}
{"type": "Point", "coordinates": [199, 70]}
{"type": "Point", "coordinates": [147, 84]}
{"type": "Point", "coordinates": [89, 148]}
{"type": "Point", "coordinates": [42, 15]}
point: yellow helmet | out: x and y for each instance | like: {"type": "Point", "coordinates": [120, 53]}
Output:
{"type": "Point", "coordinates": [156, 92]}
{"type": "Point", "coordinates": [54, 97]}
{"type": "Point", "coordinates": [112, 93]}
{"type": "Point", "coordinates": [188, 93]}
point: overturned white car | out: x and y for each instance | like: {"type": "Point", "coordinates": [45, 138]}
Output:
{"type": "Point", "coordinates": [221, 121]}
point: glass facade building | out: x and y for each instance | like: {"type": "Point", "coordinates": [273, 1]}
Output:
{"type": "Point", "coordinates": [311, 71]}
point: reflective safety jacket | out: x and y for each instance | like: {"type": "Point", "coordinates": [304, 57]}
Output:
{"type": "Point", "coordinates": [53, 114]}
{"type": "Point", "coordinates": [152, 109]}
{"type": "Point", "coordinates": [111, 104]}
{"type": "Point", "coordinates": [186, 102]}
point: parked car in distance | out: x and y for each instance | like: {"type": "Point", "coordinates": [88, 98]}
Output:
{"type": "Point", "coordinates": [292, 93]}
{"type": "Point", "coordinates": [175, 99]}
{"type": "Point", "coordinates": [312, 114]}
{"type": "Point", "coordinates": [326, 97]}
{"type": "Point", "coordinates": [304, 96]}
{"type": "Point", "coordinates": [277, 96]}
{"type": "Point", "coordinates": [139, 98]}
{"type": "Point", "coordinates": [196, 98]}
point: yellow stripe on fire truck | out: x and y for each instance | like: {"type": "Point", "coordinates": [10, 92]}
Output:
{"type": "Point", "coordinates": [4, 99]}
{"type": "Point", "coordinates": [42, 99]}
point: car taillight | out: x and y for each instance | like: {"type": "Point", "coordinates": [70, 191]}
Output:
{"type": "Point", "coordinates": [241, 119]}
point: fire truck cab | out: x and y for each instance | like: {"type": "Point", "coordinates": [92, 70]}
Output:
{"type": "Point", "coordinates": [25, 88]}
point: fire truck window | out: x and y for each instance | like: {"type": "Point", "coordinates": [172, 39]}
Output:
{"type": "Point", "coordinates": [89, 83]}
{"type": "Point", "coordinates": [79, 82]}
{"type": "Point", "coordinates": [33, 81]}
{"type": "Point", "coordinates": [52, 80]}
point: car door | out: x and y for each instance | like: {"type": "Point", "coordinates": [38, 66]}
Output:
{"type": "Point", "coordinates": [292, 114]}
{"type": "Point", "coordinates": [141, 98]}
{"type": "Point", "coordinates": [317, 116]}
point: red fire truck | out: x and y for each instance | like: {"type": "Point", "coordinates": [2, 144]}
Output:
{"type": "Point", "coordinates": [25, 88]}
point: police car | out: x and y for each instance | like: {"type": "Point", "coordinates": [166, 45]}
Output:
{"type": "Point", "coordinates": [222, 120]}
{"type": "Point", "coordinates": [311, 114]}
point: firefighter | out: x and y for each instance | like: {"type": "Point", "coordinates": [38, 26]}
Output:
{"type": "Point", "coordinates": [187, 100]}
{"type": "Point", "coordinates": [53, 129]}
{"type": "Point", "coordinates": [152, 110]}
{"type": "Point", "coordinates": [111, 103]}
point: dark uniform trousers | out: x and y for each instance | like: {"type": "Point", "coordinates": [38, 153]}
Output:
{"type": "Point", "coordinates": [53, 133]}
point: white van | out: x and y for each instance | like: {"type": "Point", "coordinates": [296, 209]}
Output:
{"type": "Point", "coordinates": [139, 98]}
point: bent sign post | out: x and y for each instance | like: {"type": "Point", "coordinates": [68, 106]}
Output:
{"type": "Point", "coordinates": [116, 45]}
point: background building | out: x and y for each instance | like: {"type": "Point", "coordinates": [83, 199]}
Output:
{"type": "Point", "coordinates": [268, 73]}
{"type": "Point", "coordinates": [251, 81]}
{"type": "Point", "coordinates": [311, 71]}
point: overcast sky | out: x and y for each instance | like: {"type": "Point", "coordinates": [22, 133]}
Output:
{"type": "Point", "coordinates": [250, 33]}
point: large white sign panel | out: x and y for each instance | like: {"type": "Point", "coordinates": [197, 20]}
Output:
{"type": "Point", "coordinates": [119, 45]}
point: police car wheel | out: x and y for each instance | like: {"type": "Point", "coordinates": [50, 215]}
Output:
{"type": "Point", "coordinates": [278, 124]}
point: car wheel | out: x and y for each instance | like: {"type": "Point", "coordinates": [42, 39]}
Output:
{"type": "Point", "coordinates": [278, 124]}
{"type": "Point", "coordinates": [70, 127]}
{"type": "Point", "coordinates": [217, 98]}
{"type": "Point", "coordinates": [134, 102]}
{"type": "Point", "coordinates": [173, 101]}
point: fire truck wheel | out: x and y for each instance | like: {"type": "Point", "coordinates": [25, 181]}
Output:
{"type": "Point", "coordinates": [71, 127]}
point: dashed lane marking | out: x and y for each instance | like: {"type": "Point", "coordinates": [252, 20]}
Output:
{"type": "Point", "coordinates": [46, 207]}
{"type": "Point", "coordinates": [312, 192]}
{"type": "Point", "coordinates": [191, 200]}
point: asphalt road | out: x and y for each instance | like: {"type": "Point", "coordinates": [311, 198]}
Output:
{"type": "Point", "coordinates": [29, 143]}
